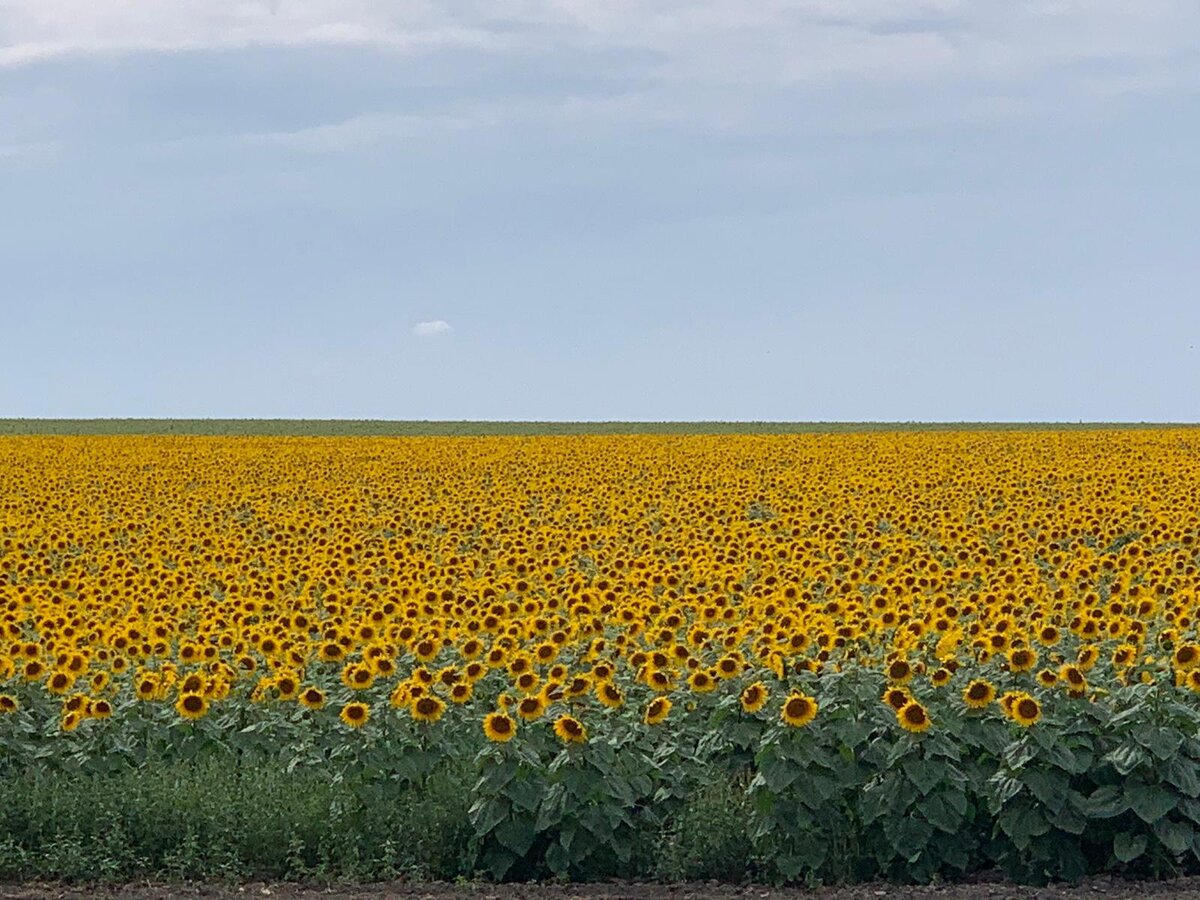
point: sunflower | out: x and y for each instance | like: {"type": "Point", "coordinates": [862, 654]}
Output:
{"type": "Point", "coordinates": [899, 671]}
{"type": "Point", "coordinates": [1047, 677]}
{"type": "Point", "coordinates": [312, 698]}
{"type": "Point", "coordinates": [941, 677]}
{"type": "Point", "coordinates": [8, 704]}
{"type": "Point", "coordinates": [331, 651]}
{"type": "Point", "coordinates": [531, 707]}
{"type": "Point", "coordinates": [1124, 656]}
{"type": "Point", "coordinates": [60, 682]}
{"type": "Point", "coordinates": [1022, 660]}
{"type": "Point", "coordinates": [192, 684]}
{"type": "Point", "coordinates": [1087, 658]}
{"type": "Point", "coordinates": [1025, 710]}
{"type": "Point", "coordinates": [499, 727]}
{"type": "Point", "coordinates": [99, 709]}
{"type": "Point", "coordinates": [728, 666]}
{"type": "Point", "coordinates": [798, 710]}
{"type": "Point", "coordinates": [427, 709]}
{"type": "Point", "coordinates": [978, 694]}
{"type": "Point", "coordinates": [657, 711]}
{"type": "Point", "coordinates": [402, 695]}
{"type": "Point", "coordinates": [358, 677]}
{"type": "Point", "coordinates": [1073, 677]}
{"type": "Point", "coordinates": [461, 692]}
{"type": "Point", "coordinates": [660, 681]}
{"type": "Point", "coordinates": [287, 686]}
{"type": "Point", "coordinates": [913, 717]}
{"type": "Point", "coordinates": [577, 686]}
{"type": "Point", "coordinates": [754, 697]}
{"type": "Point", "coordinates": [609, 695]}
{"type": "Point", "coordinates": [1186, 656]}
{"type": "Point", "coordinates": [355, 714]}
{"type": "Point", "coordinates": [192, 706]}
{"type": "Point", "coordinates": [570, 730]}
{"type": "Point", "coordinates": [702, 682]}
{"type": "Point", "coordinates": [896, 697]}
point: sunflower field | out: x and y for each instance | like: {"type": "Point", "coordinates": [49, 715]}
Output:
{"type": "Point", "coordinates": [806, 657]}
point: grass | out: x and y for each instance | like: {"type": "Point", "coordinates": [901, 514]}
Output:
{"type": "Point", "coordinates": [385, 428]}
{"type": "Point", "coordinates": [206, 819]}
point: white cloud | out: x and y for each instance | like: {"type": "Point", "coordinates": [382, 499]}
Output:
{"type": "Point", "coordinates": [719, 64]}
{"type": "Point", "coordinates": [719, 42]}
{"type": "Point", "coordinates": [432, 328]}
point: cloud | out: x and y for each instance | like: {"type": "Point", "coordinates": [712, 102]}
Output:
{"type": "Point", "coordinates": [432, 328]}
{"type": "Point", "coordinates": [721, 65]}
{"type": "Point", "coordinates": [713, 42]}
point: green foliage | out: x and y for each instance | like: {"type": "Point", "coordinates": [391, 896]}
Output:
{"type": "Point", "coordinates": [715, 792]}
{"type": "Point", "coordinates": [379, 427]}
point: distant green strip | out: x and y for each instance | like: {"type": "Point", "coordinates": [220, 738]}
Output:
{"type": "Point", "coordinates": [383, 428]}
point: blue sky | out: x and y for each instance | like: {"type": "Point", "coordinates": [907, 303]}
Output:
{"type": "Point", "coordinates": [601, 209]}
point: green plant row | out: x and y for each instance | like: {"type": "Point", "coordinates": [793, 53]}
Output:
{"type": "Point", "coordinates": [1109, 785]}
{"type": "Point", "coordinates": [463, 428]}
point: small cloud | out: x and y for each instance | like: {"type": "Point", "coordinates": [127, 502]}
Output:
{"type": "Point", "coordinates": [430, 329]}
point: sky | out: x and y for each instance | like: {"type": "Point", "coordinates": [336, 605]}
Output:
{"type": "Point", "coordinates": [936, 210]}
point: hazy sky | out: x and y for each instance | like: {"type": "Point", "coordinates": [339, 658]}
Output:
{"type": "Point", "coordinates": [601, 209]}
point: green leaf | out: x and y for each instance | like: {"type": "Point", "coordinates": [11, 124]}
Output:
{"type": "Point", "coordinates": [524, 794]}
{"type": "Point", "coordinates": [911, 837]}
{"type": "Point", "coordinates": [486, 813]}
{"type": "Point", "coordinates": [1190, 808]}
{"type": "Point", "coordinates": [1003, 789]}
{"type": "Point", "coordinates": [1105, 802]}
{"type": "Point", "coordinates": [1162, 742]}
{"type": "Point", "coordinates": [873, 802]}
{"type": "Point", "coordinates": [1150, 801]}
{"type": "Point", "coordinates": [558, 859]}
{"type": "Point", "coordinates": [941, 814]}
{"type": "Point", "coordinates": [1022, 822]}
{"type": "Point", "coordinates": [1175, 836]}
{"type": "Point", "coordinates": [789, 866]}
{"type": "Point", "coordinates": [1048, 787]}
{"type": "Point", "coordinates": [1182, 772]}
{"type": "Point", "coordinates": [926, 775]}
{"type": "Point", "coordinates": [1068, 820]}
{"type": "Point", "coordinates": [516, 834]}
{"type": "Point", "coordinates": [1058, 755]}
{"type": "Point", "coordinates": [1126, 759]}
{"type": "Point", "coordinates": [778, 773]}
{"type": "Point", "coordinates": [1128, 847]}
{"type": "Point", "coordinates": [1018, 754]}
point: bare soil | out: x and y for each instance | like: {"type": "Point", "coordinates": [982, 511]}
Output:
{"type": "Point", "coordinates": [1107, 888]}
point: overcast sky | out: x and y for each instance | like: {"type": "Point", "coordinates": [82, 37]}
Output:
{"type": "Point", "coordinates": [601, 209]}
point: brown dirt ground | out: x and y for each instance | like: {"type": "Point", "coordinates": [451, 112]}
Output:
{"type": "Point", "coordinates": [1109, 889]}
